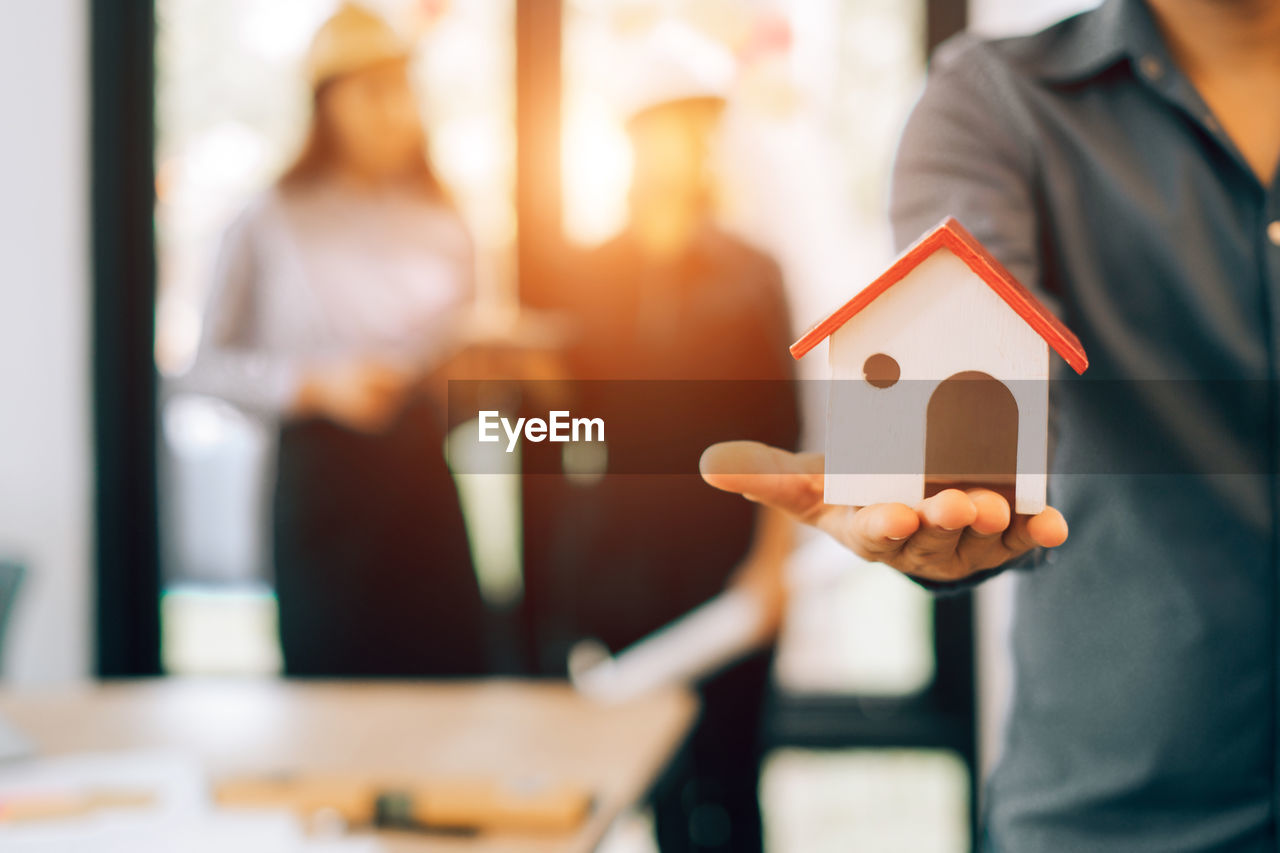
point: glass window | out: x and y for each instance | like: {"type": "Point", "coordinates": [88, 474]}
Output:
{"type": "Point", "coordinates": [862, 799]}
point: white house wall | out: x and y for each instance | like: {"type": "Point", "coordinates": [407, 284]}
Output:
{"type": "Point", "coordinates": [940, 320]}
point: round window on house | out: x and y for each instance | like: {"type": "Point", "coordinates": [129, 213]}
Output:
{"type": "Point", "coordinates": [881, 370]}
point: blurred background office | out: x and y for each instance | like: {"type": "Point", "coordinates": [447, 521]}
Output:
{"type": "Point", "coordinates": [140, 510]}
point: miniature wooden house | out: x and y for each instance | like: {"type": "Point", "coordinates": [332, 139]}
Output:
{"type": "Point", "coordinates": [941, 367]}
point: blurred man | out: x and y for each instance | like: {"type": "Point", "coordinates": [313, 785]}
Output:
{"type": "Point", "coordinates": [1123, 161]}
{"type": "Point", "coordinates": [675, 298]}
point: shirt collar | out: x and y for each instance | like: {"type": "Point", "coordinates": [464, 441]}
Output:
{"type": "Point", "coordinates": [1116, 31]}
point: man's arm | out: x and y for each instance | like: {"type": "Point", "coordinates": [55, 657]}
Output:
{"type": "Point", "coordinates": [968, 151]}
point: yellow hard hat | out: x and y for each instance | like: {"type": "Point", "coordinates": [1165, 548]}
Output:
{"type": "Point", "coordinates": [354, 38]}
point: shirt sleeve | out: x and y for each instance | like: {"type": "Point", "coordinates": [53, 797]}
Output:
{"type": "Point", "coordinates": [968, 151]}
{"type": "Point", "coordinates": [232, 361]}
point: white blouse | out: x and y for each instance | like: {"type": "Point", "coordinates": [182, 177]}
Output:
{"type": "Point", "coordinates": [328, 273]}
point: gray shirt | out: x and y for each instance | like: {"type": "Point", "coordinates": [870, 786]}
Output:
{"type": "Point", "coordinates": [1144, 715]}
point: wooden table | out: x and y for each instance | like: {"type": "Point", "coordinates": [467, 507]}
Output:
{"type": "Point", "coordinates": [504, 729]}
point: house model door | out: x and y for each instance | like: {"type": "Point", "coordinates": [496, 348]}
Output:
{"type": "Point", "coordinates": [971, 435]}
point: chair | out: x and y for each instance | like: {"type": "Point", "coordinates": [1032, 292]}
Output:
{"type": "Point", "coordinates": [13, 743]}
{"type": "Point", "coordinates": [11, 575]}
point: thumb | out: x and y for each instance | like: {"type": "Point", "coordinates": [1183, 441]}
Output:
{"type": "Point", "coordinates": [791, 482]}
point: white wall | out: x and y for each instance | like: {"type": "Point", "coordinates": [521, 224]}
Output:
{"type": "Point", "coordinates": [45, 476]}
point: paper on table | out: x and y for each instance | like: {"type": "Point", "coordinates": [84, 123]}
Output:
{"type": "Point", "coordinates": [211, 832]}
{"type": "Point", "coordinates": [175, 780]}
{"type": "Point", "coordinates": [180, 819]}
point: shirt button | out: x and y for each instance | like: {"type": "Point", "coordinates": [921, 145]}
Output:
{"type": "Point", "coordinates": [1151, 67]}
{"type": "Point", "coordinates": [1273, 233]}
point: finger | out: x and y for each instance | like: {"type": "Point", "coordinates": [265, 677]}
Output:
{"type": "Point", "coordinates": [389, 384]}
{"type": "Point", "coordinates": [992, 516]}
{"type": "Point", "coordinates": [791, 482]}
{"type": "Point", "coordinates": [943, 519]}
{"type": "Point", "coordinates": [384, 376]}
{"type": "Point", "coordinates": [875, 532]}
{"type": "Point", "coordinates": [375, 401]}
{"type": "Point", "coordinates": [1047, 529]}
{"type": "Point", "coordinates": [982, 543]}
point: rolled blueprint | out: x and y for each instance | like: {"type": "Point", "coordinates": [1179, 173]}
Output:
{"type": "Point", "coordinates": [698, 644]}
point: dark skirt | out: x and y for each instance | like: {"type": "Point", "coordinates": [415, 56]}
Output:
{"type": "Point", "coordinates": [373, 570]}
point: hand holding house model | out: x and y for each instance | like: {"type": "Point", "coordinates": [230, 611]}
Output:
{"type": "Point", "coordinates": [937, 419]}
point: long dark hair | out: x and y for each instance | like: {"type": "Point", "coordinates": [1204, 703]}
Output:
{"type": "Point", "coordinates": [316, 157]}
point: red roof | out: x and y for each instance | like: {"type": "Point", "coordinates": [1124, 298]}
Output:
{"type": "Point", "coordinates": [952, 235]}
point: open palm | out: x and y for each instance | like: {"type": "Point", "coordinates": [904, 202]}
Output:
{"type": "Point", "coordinates": [946, 537]}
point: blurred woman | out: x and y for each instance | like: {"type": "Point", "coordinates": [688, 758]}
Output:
{"type": "Point", "coordinates": [332, 297]}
